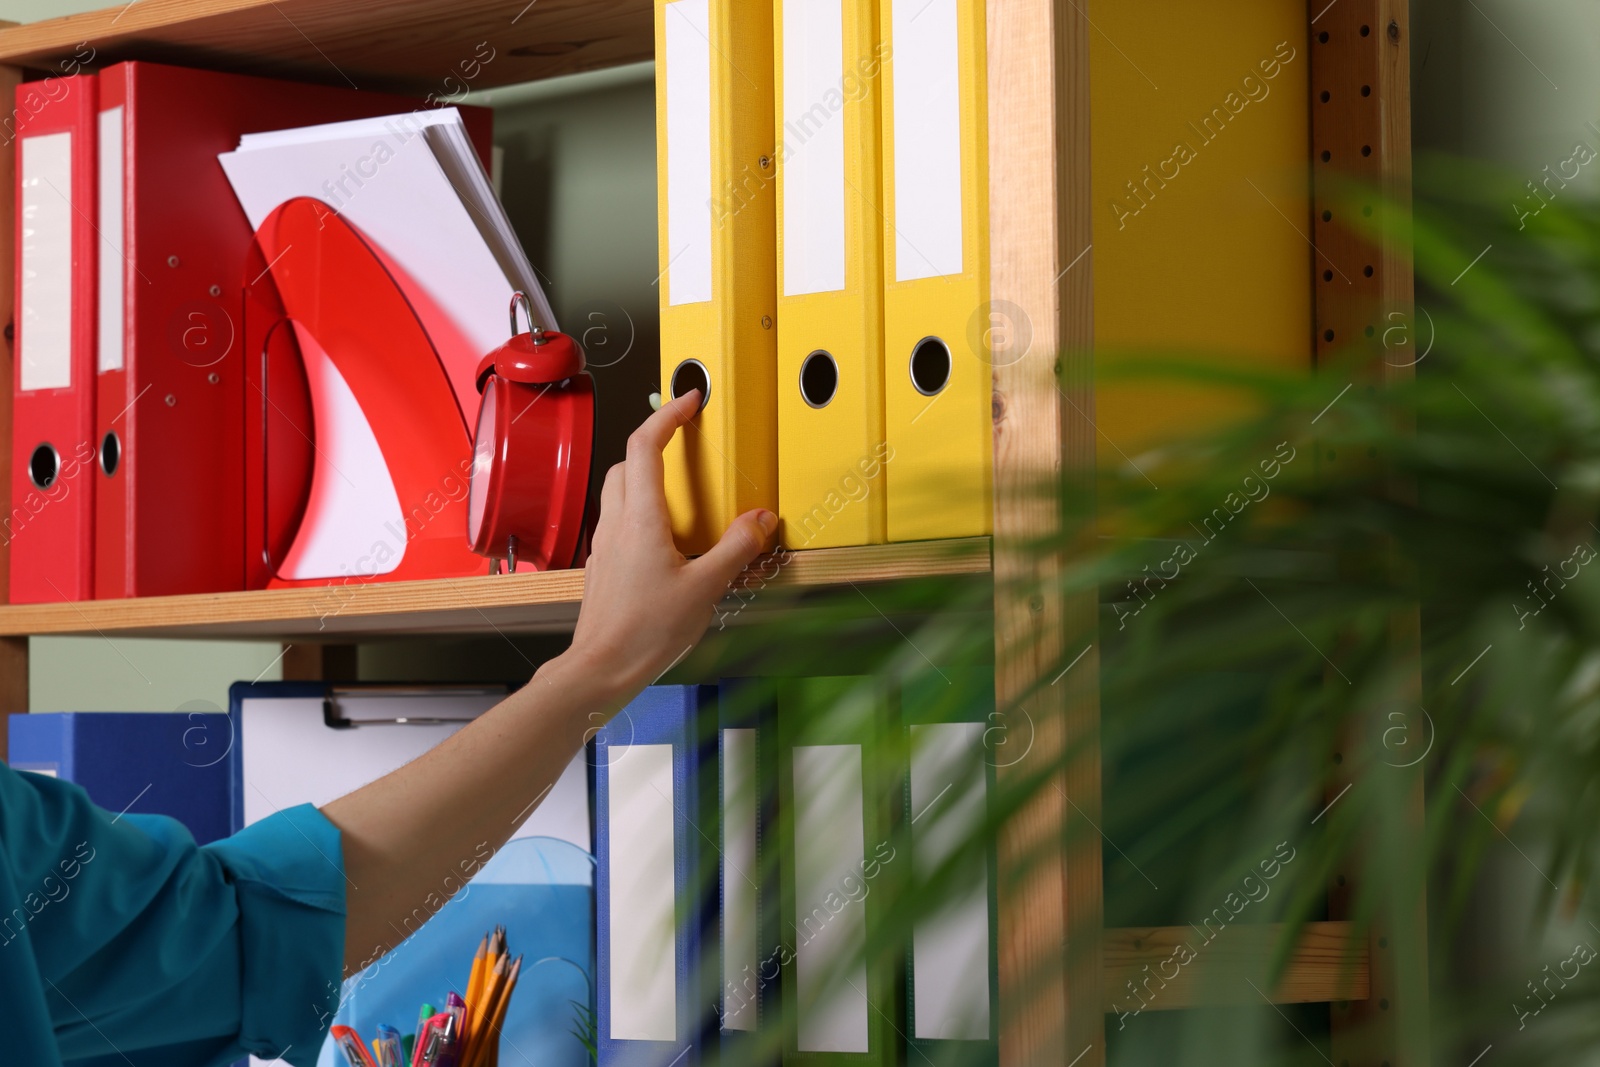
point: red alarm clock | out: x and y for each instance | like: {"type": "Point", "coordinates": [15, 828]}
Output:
{"type": "Point", "coordinates": [532, 450]}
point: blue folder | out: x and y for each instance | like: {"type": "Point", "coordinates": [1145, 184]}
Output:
{"type": "Point", "coordinates": [656, 896]}
{"type": "Point", "coordinates": [161, 763]}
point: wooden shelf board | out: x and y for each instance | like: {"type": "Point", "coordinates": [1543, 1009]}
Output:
{"type": "Point", "coordinates": [520, 603]}
{"type": "Point", "coordinates": [1330, 962]}
{"type": "Point", "coordinates": [395, 45]}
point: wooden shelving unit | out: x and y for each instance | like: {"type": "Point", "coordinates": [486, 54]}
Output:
{"type": "Point", "coordinates": [486, 604]}
{"type": "Point", "coordinates": [1060, 970]}
{"type": "Point", "coordinates": [399, 45]}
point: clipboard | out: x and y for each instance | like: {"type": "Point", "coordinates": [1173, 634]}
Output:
{"type": "Point", "coordinates": [312, 742]}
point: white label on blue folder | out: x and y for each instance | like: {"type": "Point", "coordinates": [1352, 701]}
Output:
{"type": "Point", "coordinates": [687, 272]}
{"type": "Point", "coordinates": [741, 953]}
{"type": "Point", "coordinates": [949, 947]}
{"type": "Point", "coordinates": [639, 831]}
{"type": "Point", "coordinates": [830, 926]}
{"type": "Point", "coordinates": [45, 344]}
{"type": "Point", "coordinates": [927, 139]}
{"type": "Point", "coordinates": [113, 262]}
{"type": "Point", "coordinates": [813, 146]}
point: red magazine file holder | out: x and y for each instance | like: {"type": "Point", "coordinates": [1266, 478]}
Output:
{"type": "Point", "coordinates": [310, 267]}
{"type": "Point", "coordinates": [532, 450]}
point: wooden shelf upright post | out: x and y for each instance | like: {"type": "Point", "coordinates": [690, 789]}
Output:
{"type": "Point", "coordinates": [1051, 911]}
{"type": "Point", "coordinates": [1364, 290]}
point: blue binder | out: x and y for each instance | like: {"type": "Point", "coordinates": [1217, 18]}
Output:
{"type": "Point", "coordinates": [161, 763]}
{"type": "Point", "coordinates": [752, 956]}
{"type": "Point", "coordinates": [655, 814]}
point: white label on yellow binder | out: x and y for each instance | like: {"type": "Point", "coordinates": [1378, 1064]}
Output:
{"type": "Point", "coordinates": [741, 955]}
{"type": "Point", "coordinates": [813, 146]}
{"type": "Point", "coordinates": [950, 947]}
{"type": "Point", "coordinates": [688, 272]}
{"type": "Point", "coordinates": [830, 920]}
{"type": "Point", "coordinates": [112, 241]}
{"type": "Point", "coordinates": [927, 140]}
{"type": "Point", "coordinates": [46, 340]}
{"type": "Point", "coordinates": [643, 962]}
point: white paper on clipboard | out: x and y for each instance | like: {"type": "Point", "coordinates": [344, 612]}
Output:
{"type": "Point", "coordinates": [291, 756]}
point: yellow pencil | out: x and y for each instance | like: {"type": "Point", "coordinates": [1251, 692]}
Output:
{"type": "Point", "coordinates": [474, 982]}
{"type": "Point", "coordinates": [476, 1006]}
{"type": "Point", "coordinates": [482, 1009]}
{"type": "Point", "coordinates": [487, 1050]}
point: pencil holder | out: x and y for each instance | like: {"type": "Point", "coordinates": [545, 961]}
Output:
{"type": "Point", "coordinates": [541, 891]}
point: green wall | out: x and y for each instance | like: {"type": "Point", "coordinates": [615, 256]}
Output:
{"type": "Point", "coordinates": [34, 10]}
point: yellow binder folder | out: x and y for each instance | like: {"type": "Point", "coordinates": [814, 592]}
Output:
{"type": "Point", "coordinates": [714, 177]}
{"type": "Point", "coordinates": [937, 319]}
{"type": "Point", "coordinates": [831, 445]}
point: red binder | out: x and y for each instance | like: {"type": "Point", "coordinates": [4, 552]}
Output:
{"type": "Point", "coordinates": [170, 507]}
{"type": "Point", "coordinates": [50, 527]}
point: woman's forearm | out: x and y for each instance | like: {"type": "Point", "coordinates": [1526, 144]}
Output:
{"type": "Point", "coordinates": [413, 838]}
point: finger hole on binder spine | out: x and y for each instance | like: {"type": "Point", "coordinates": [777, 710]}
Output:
{"type": "Point", "coordinates": [692, 374]}
{"type": "Point", "coordinates": [44, 465]}
{"type": "Point", "coordinates": [930, 366]}
{"type": "Point", "coordinates": [110, 453]}
{"type": "Point", "coordinates": [819, 379]}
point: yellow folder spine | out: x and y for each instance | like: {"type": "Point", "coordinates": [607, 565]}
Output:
{"type": "Point", "coordinates": [940, 472]}
{"type": "Point", "coordinates": [725, 461]}
{"type": "Point", "coordinates": [831, 443]}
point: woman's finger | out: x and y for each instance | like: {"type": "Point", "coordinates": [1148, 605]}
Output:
{"type": "Point", "coordinates": [613, 492]}
{"type": "Point", "coordinates": [747, 537]}
{"type": "Point", "coordinates": [646, 470]}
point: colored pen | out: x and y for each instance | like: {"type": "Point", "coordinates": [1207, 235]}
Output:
{"type": "Point", "coordinates": [433, 1042]}
{"type": "Point", "coordinates": [349, 1042]}
{"type": "Point", "coordinates": [457, 1007]}
{"type": "Point", "coordinates": [387, 1045]}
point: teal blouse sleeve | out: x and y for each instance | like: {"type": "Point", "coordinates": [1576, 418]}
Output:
{"type": "Point", "coordinates": [123, 942]}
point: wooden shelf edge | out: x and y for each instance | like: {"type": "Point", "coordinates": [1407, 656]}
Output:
{"type": "Point", "coordinates": [417, 45]}
{"type": "Point", "coordinates": [522, 603]}
{"type": "Point", "coordinates": [1331, 962]}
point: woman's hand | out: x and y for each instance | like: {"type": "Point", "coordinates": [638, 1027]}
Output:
{"type": "Point", "coordinates": [410, 836]}
{"type": "Point", "coordinates": [644, 604]}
